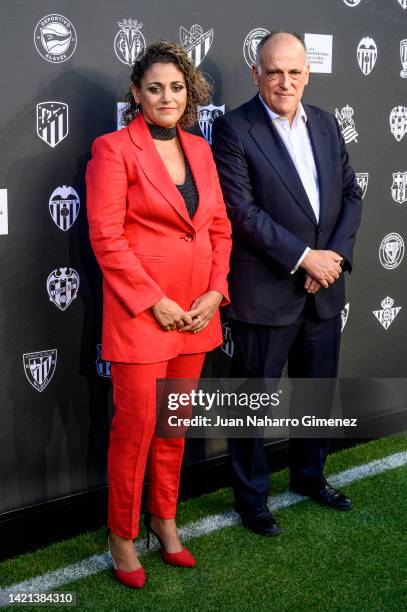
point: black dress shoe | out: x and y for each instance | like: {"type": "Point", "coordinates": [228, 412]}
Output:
{"type": "Point", "coordinates": [327, 496]}
{"type": "Point", "coordinates": [261, 521]}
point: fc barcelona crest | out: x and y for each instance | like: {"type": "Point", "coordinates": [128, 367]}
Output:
{"type": "Point", "coordinates": [206, 117]}
{"type": "Point", "coordinates": [103, 367]}
{"type": "Point", "coordinates": [64, 207]}
{"type": "Point", "coordinates": [196, 42]}
{"type": "Point", "coordinates": [39, 368]}
{"type": "Point", "coordinates": [62, 287]}
{"type": "Point", "coordinates": [362, 180]}
{"type": "Point", "coordinates": [398, 122]}
{"type": "Point", "coordinates": [399, 187]}
{"type": "Point", "coordinates": [367, 55]}
{"type": "Point", "coordinates": [52, 122]}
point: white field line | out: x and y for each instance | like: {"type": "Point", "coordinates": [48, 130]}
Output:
{"type": "Point", "coordinates": [97, 563]}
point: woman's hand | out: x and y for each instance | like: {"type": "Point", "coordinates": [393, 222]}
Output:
{"type": "Point", "coordinates": [170, 315]}
{"type": "Point", "coordinates": [202, 310]}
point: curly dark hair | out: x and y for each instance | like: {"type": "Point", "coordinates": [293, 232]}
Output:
{"type": "Point", "coordinates": [165, 52]}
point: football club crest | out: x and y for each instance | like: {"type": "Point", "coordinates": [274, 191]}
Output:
{"type": "Point", "coordinates": [391, 251]}
{"type": "Point", "coordinates": [39, 368]}
{"type": "Point", "coordinates": [367, 55]}
{"type": "Point", "coordinates": [129, 42]}
{"type": "Point", "coordinates": [55, 38]}
{"type": "Point", "coordinates": [403, 58]}
{"type": "Point", "coordinates": [346, 123]}
{"type": "Point", "coordinates": [388, 313]}
{"type": "Point", "coordinates": [52, 122]}
{"type": "Point", "coordinates": [228, 344]}
{"type": "Point", "coordinates": [64, 205]}
{"type": "Point", "coordinates": [344, 316]}
{"type": "Point", "coordinates": [352, 2]}
{"type": "Point", "coordinates": [363, 180]}
{"type": "Point", "coordinates": [403, 3]}
{"type": "Point", "coordinates": [250, 45]}
{"type": "Point", "coordinates": [62, 287]}
{"type": "Point", "coordinates": [399, 187]}
{"type": "Point", "coordinates": [398, 122]}
{"type": "Point", "coordinates": [206, 117]}
{"type": "Point", "coordinates": [196, 42]}
{"type": "Point", "coordinates": [102, 367]}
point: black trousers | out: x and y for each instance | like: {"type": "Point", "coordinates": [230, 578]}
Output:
{"type": "Point", "coordinates": [310, 347]}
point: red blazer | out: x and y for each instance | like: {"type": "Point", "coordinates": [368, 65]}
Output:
{"type": "Point", "coordinates": [148, 247]}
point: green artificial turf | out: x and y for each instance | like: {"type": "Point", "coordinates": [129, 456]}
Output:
{"type": "Point", "coordinates": [324, 560]}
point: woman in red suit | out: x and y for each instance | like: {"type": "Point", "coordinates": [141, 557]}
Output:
{"type": "Point", "coordinates": [160, 233]}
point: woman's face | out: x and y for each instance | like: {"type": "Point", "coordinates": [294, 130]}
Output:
{"type": "Point", "coordinates": [162, 94]}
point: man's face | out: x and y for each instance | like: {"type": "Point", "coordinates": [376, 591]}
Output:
{"type": "Point", "coordinates": [282, 74]}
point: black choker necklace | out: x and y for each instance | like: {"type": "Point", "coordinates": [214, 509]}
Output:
{"type": "Point", "coordinates": [162, 133]}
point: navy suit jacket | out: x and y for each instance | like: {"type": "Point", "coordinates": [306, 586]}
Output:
{"type": "Point", "coordinates": [272, 218]}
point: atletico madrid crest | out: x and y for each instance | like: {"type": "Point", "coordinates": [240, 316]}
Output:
{"type": "Point", "coordinates": [52, 122]}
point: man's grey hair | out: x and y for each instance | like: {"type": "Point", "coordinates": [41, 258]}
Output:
{"type": "Point", "coordinates": [272, 35]}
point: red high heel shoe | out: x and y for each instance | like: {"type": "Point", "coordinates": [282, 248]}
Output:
{"type": "Point", "coordinates": [134, 580]}
{"type": "Point", "coordinates": [183, 558]}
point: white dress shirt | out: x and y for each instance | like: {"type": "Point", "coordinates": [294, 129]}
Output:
{"type": "Point", "coordinates": [298, 145]}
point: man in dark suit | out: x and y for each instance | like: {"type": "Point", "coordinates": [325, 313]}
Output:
{"type": "Point", "coordinates": [295, 208]}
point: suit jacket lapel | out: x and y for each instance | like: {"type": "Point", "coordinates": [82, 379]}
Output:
{"type": "Point", "coordinates": [273, 147]}
{"type": "Point", "coordinates": [154, 168]}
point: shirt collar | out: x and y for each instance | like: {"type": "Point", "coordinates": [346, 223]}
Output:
{"type": "Point", "coordinates": [300, 112]}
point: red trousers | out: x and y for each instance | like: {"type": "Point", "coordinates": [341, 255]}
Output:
{"type": "Point", "coordinates": [133, 441]}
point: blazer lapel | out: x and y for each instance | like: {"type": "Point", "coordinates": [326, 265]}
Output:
{"type": "Point", "coordinates": [154, 168]}
{"type": "Point", "coordinates": [321, 148]}
{"type": "Point", "coordinates": [273, 147]}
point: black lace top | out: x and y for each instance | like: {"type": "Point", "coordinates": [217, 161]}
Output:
{"type": "Point", "coordinates": [188, 189]}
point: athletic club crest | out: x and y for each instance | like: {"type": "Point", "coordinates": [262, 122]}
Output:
{"type": "Point", "coordinates": [52, 122]}
{"type": "Point", "coordinates": [362, 180]}
{"type": "Point", "coordinates": [129, 42]}
{"type": "Point", "coordinates": [403, 58]}
{"type": "Point", "coordinates": [39, 368]}
{"type": "Point", "coordinates": [399, 187]}
{"type": "Point", "coordinates": [62, 287]}
{"type": "Point", "coordinates": [64, 207]}
{"type": "Point", "coordinates": [367, 55]}
{"type": "Point", "coordinates": [344, 316]}
{"type": "Point", "coordinates": [398, 122]}
{"type": "Point", "coordinates": [403, 3]}
{"type": "Point", "coordinates": [228, 345]}
{"type": "Point", "coordinates": [352, 2]}
{"type": "Point", "coordinates": [346, 123]}
{"type": "Point", "coordinates": [250, 45]}
{"type": "Point", "coordinates": [55, 38]}
{"type": "Point", "coordinates": [102, 367]}
{"type": "Point", "coordinates": [206, 117]}
{"type": "Point", "coordinates": [391, 251]}
{"type": "Point", "coordinates": [196, 42]}
{"type": "Point", "coordinates": [388, 313]}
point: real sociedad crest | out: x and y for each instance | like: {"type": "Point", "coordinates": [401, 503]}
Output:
{"type": "Point", "coordinates": [346, 123]}
{"type": "Point", "coordinates": [251, 43]}
{"type": "Point", "coordinates": [103, 367]}
{"type": "Point", "coordinates": [39, 368]}
{"type": "Point", "coordinates": [399, 187]}
{"type": "Point", "coordinates": [398, 122]}
{"type": "Point", "coordinates": [344, 316]}
{"type": "Point", "coordinates": [388, 313]}
{"type": "Point", "coordinates": [64, 207]}
{"type": "Point", "coordinates": [62, 287]}
{"type": "Point", "coordinates": [206, 117]}
{"type": "Point", "coordinates": [403, 58]}
{"type": "Point", "coordinates": [52, 122]}
{"type": "Point", "coordinates": [228, 344]}
{"type": "Point", "coordinates": [367, 55]}
{"type": "Point", "coordinates": [391, 251]}
{"type": "Point", "coordinates": [403, 3]}
{"type": "Point", "coordinates": [363, 180]}
{"type": "Point", "coordinates": [55, 38]}
{"type": "Point", "coordinates": [129, 42]}
{"type": "Point", "coordinates": [196, 42]}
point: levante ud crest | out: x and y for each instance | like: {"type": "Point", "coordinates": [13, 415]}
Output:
{"type": "Point", "coordinates": [196, 42]}
{"type": "Point", "coordinates": [64, 207]}
{"type": "Point", "coordinates": [398, 122]}
{"type": "Point", "coordinates": [39, 368]}
{"type": "Point", "coordinates": [52, 122]}
{"type": "Point", "coordinates": [62, 287]}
